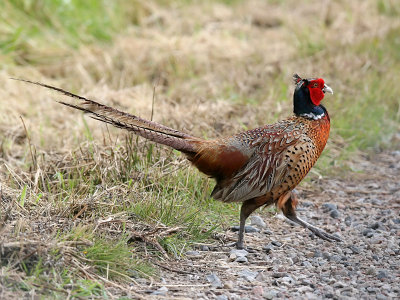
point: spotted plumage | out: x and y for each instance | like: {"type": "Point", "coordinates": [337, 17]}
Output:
{"type": "Point", "coordinates": [257, 167]}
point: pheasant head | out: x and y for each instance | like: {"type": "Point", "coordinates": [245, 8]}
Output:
{"type": "Point", "coordinates": [308, 95]}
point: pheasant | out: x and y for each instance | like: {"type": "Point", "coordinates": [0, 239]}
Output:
{"type": "Point", "coordinates": [256, 167]}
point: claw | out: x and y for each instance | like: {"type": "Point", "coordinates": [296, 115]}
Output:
{"type": "Point", "coordinates": [318, 232]}
{"type": "Point", "coordinates": [324, 235]}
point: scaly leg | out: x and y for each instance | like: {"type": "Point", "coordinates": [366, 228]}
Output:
{"type": "Point", "coordinates": [247, 208]}
{"type": "Point", "coordinates": [289, 212]}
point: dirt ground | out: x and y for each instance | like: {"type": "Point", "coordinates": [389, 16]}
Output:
{"type": "Point", "coordinates": [285, 261]}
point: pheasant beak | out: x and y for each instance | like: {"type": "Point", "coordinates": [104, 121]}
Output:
{"type": "Point", "coordinates": [327, 89]}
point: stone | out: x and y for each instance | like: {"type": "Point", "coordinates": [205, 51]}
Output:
{"type": "Point", "coordinates": [257, 221]}
{"type": "Point", "coordinates": [241, 259]}
{"type": "Point", "coordinates": [267, 248]}
{"type": "Point", "coordinates": [204, 248]}
{"type": "Point", "coordinates": [214, 280]}
{"type": "Point", "coordinates": [235, 253]}
{"type": "Point", "coordinates": [192, 253]}
{"type": "Point", "coordinates": [382, 274]}
{"type": "Point", "coordinates": [328, 207]}
{"type": "Point", "coordinates": [279, 274]}
{"type": "Point", "coordinates": [162, 291]}
{"type": "Point", "coordinates": [368, 233]}
{"type": "Point", "coordinates": [348, 221]}
{"type": "Point", "coordinates": [276, 243]}
{"type": "Point", "coordinates": [247, 229]}
{"type": "Point", "coordinates": [258, 291]}
{"type": "Point", "coordinates": [270, 294]}
{"type": "Point", "coordinates": [334, 214]}
{"type": "Point", "coordinates": [355, 250]}
{"type": "Point", "coordinates": [222, 297]}
{"type": "Point", "coordinates": [307, 264]}
{"type": "Point", "coordinates": [248, 275]}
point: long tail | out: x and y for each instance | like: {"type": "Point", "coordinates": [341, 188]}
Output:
{"type": "Point", "coordinates": [150, 130]}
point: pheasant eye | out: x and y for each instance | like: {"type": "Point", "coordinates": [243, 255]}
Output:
{"type": "Point", "coordinates": [315, 84]}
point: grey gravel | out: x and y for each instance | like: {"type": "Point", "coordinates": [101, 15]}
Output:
{"type": "Point", "coordinates": [192, 253]}
{"type": "Point", "coordinates": [334, 213]}
{"type": "Point", "coordinates": [268, 247]}
{"type": "Point", "coordinates": [382, 274]}
{"type": "Point", "coordinates": [247, 229]}
{"type": "Point", "coordinates": [276, 243]}
{"type": "Point", "coordinates": [234, 253]}
{"type": "Point", "coordinates": [257, 221]}
{"type": "Point", "coordinates": [204, 248]}
{"type": "Point", "coordinates": [241, 259]}
{"type": "Point", "coordinates": [162, 291]}
{"type": "Point", "coordinates": [270, 294]}
{"type": "Point", "coordinates": [248, 275]}
{"type": "Point", "coordinates": [328, 207]}
{"type": "Point", "coordinates": [222, 297]}
{"type": "Point", "coordinates": [286, 262]}
{"type": "Point", "coordinates": [214, 280]}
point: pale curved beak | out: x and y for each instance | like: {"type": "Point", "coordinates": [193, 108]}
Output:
{"type": "Point", "coordinates": [327, 89]}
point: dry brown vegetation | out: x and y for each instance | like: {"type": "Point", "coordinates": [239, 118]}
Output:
{"type": "Point", "coordinates": [74, 191]}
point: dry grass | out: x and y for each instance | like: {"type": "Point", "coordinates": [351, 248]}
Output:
{"type": "Point", "coordinates": [70, 185]}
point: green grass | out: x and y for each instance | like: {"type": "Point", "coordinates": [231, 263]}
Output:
{"type": "Point", "coordinates": [369, 113]}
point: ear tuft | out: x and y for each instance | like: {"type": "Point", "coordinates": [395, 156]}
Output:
{"type": "Point", "coordinates": [296, 78]}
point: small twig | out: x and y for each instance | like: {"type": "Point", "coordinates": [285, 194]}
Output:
{"type": "Point", "coordinates": [172, 269]}
{"type": "Point", "coordinates": [30, 144]}
{"type": "Point", "coordinates": [154, 98]}
{"type": "Point", "coordinates": [84, 208]}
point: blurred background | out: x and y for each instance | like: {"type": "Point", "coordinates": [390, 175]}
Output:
{"type": "Point", "coordinates": [210, 68]}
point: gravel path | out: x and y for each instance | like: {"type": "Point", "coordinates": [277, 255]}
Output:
{"type": "Point", "coordinates": [287, 262]}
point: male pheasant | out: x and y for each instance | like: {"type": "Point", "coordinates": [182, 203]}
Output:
{"type": "Point", "coordinates": [257, 167]}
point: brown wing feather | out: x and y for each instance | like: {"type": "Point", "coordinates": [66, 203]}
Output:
{"type": "Point", "coordinates": [266, 168]}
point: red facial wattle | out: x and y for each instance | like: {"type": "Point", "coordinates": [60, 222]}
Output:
{"type": "Point", "coordinates": [315, 87]}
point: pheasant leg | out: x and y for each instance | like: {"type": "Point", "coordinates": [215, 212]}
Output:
{"type": "Point", "coordinates": [289, 212]}
{"type": "Point", "coordinates": [317, 231]}
{"type": "Point", "coordinates": [247, 208]}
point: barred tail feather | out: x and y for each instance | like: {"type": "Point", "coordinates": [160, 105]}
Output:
{"type": "Point", "coordinates": [148, 129]}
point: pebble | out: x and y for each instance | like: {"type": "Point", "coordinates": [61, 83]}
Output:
{"type": "Point", "coordinates": [371, 271]}
{"type": "Point", "coordinates": [235, 253]}
{"type": "Point", "coordinates": [247, 229]}
{"type": "Point", "coordinates": [204, 248]}
{"type": "Point", "coordinates": [317, 253]}
{"type": "Point", "coordinates": [279, 274]}
{"type": "Point", "coordinates": [307, 204]}
{"type": "Point", "coordinates": [241, 259]}
{"type": "Point", "coordinates": [222, 297]}
{"type": "Point", "coordinates": [276, 243]}
{"type": "Point", "coordinates": [270, 294]}
{"type": "Point", "coordinates": [328, 207]}
{"type": "Point", "coordinates": [192, 253]}
{"type": "Point", "coordinates": [376, 225]}
{"type": "Point", "coordinates": [214, 280]}
{"type": "Point", "coordinates": [248, 275]}
{"type": "Point", "coordinates": [162, 291]}
{"type": "Point", "coordinates": [382, 274]}
{"type": "Point", "coordinates": [258, 291]}
{"type": "Point", "coordinates": [307, 264]}
{"type": "Point", "coordinates": [334, 214]}
{"type": "Point", "coordinates": [258, 221]}
{"type": "Point", "coordinates": [354, 249]}
{"type": "Point", "coordinates": [348, 221]}
{"type": "Point", "coordinates": [368, 233]}
{"type": "Point", "coordinates": [267, 248]}
{"type": "Point", "coordinates": [229, 285]}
